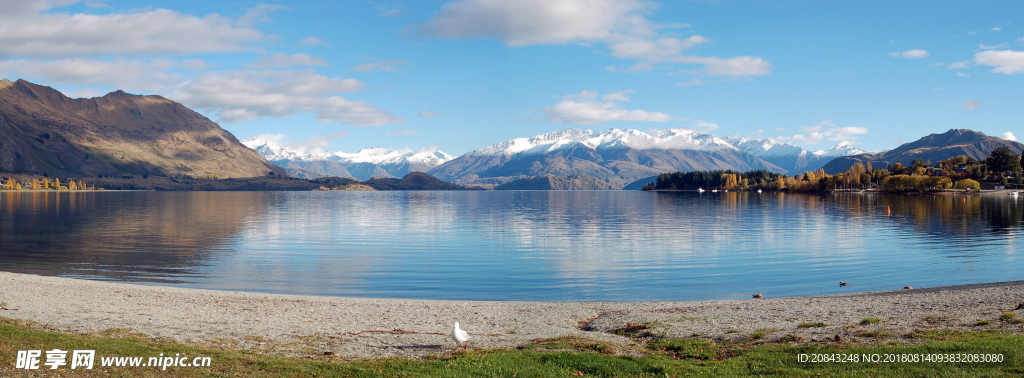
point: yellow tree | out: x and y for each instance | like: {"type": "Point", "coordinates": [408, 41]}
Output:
{"type": "Point", "coordinates": [56, 183]}
{"type": "Point", "coordinates": [71, 185]}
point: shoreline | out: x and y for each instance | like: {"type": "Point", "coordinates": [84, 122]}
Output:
{"type": "Point", "coordinates": [302, 325]}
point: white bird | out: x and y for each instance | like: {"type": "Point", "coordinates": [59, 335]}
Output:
{"type": "Point", "coordinates": [460, 336]}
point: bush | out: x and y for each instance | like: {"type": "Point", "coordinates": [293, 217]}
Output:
{"type": "Point", "coordinates": [968, 184]}
{"type": "Point", "coordinates": [903, 183]}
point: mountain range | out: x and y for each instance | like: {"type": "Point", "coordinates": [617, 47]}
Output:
{"type": "Point", "coordinates": [792, 158]}
{"type": "Point", "coordinates": [620, 157]}
{"type": "Point", "coordinates": [42, 131]}
{"type": "Point", "coordinates": [362, 165]}
{"type": "Point", "coordinates": [934, 147]}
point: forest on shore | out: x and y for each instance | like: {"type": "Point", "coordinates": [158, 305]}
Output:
{"type": "Point", "coordinates": [1002, 167]}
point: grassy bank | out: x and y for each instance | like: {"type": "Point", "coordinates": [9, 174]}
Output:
{"type": "Point", "coordinates": [563, 357]}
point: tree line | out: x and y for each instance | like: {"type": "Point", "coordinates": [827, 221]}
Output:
{"type": "Point", "coordinates": [960, 172]}
{"type": "Point", "coordinates": [46, 184]}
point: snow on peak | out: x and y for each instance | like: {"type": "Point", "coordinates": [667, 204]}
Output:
{"type": "Point", "coordinates": [841, 149]}
{"type": "Point", "coordinates": [676, 138]}
{"type": "Point", "coordinates": [272, 150]}
{"type": "Point", "coordinates": [770, 148]}
{"type": "Point", "coordinates": [766, 147]}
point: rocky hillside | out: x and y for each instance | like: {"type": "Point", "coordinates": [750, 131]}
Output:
{"type": "Point", "coordinates": [44, 131]}
{"type": "Point", "coordinates": [934, 147]}
{"type": "Point", "coordinates": [551, 182]}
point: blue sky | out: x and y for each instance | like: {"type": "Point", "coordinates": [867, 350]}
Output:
{"type": "Point", "coordinates": [460, 75]}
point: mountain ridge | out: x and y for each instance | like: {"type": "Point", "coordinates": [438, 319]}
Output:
{"type": "Point", "coordinates": [42, 131]}
{"type": "Point", "coordinates": [933, 147]}
{"type": "Point", "coordinates": [617, 156]}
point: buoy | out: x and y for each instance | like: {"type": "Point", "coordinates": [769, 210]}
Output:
{"type": "Point", "coordinates": [965, 200]}
{"type": "Point", "coordinates": [888, 210]}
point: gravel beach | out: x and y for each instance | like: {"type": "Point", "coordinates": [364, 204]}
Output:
{"type": "Point", "coordinates": [311, 325]}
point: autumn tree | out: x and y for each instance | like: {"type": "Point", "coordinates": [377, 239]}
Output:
{"type": "Point", "coordinates": [968, 184]}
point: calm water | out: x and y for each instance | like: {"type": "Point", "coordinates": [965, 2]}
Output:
{"type": "Point", "coordinates": [576, 246]}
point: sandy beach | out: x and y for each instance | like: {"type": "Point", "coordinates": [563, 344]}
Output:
{"type": "Point", "coordinates": [311, 325]}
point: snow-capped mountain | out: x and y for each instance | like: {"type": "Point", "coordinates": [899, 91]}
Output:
{"type": "Point", "coordinates": [363, 165]}
{"type": "Point", "coordinates": [617, 156]}
{"type": "Point", "coordinates": [677, 138]}
{"type": "Point", "coordinates": [841, 149]}
{"type": "Point", "coordinates": [793, 158]}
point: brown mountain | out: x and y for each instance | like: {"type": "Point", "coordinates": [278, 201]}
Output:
{"type": "Point", "coordinates": [934, 147]}
{"type": "Point", "coordinates": [412, 181]}
{"type": "Point", "coordinates": [552, 182]}
{"type": "Point", "coordinates": [44, 131]}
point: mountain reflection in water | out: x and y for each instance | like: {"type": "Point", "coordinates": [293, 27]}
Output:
{"type": "Point", "coordinates": [517, 245]}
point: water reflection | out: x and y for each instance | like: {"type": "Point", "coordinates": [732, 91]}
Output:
{"type": "Point", "coordinates": [614, 245]}
{"type": "Point", "coordinates": [125, 236]}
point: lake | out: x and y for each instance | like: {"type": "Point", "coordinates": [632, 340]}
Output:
{"type": "Point", "coordinates": [522, 245]}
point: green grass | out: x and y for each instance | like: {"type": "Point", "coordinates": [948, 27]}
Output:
{"type": "Point", "coordinates": [812, 325]}
{"type": "Point", "coordinates": [1010, 317]}
{"type": "Point", "coordinates": [867, 321]}
{"type": "Point", "coordinates": [561, 357]}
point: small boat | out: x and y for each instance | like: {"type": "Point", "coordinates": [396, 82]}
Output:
{"type": "Point", "coordinates": [759, 190]}
{"type": "Point", "coordinates": [714, 190]}
{"type": "Point", "coordinates": [700, 190]}
{"type": "Point", "coordinates": [1014, 193]}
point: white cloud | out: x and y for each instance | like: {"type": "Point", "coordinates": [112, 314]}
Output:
{"type": "Point", "coordinates": [402, 132]}
{"type": "Point", "coordinates": [1008, 62]}
{"type": "Point", "coordinates": [694, 81]}
{"type": "Point", "coordinates": [532, 22]}
{"type": "Point", "coordinates": [958, 65]}
{"type": "Point", "coordinates": [1009, 136]}
{"type": "Point", "coordinates": [971, 104]}
{"type": "Point", "coordinates": [999, 46]}
{"type": "Point", "coordinates": [282, 60]}
{"type": "Point", "coordinates": [25, 33]}
{"type": "Point", "coordinates": [144, 75]}
{"type": "Point", "coordinates": [317, 143]}
{"type": "Point", "coordinates": [618, 96]}
{"type": "Point", "coordinates": [780, 129]}
{"type": "Point", "coordinates": [707, 126]}
{"type": "Point", "coordinates": [584, 108]}
{"type": "Point", "coordinates": [391, 13]}
{"type": "Point", "coordinates": [311, 41]}
{"type": "Point", "coordinates": [973, 32]}
{"type": "Point", "coordinates": [380, 65]}
{"type": "Point", "coordinates": [823, 131]}
{"type": "Point", "coordinates": [427, 113]}
{"type": "Point", "coordinates": [243, 95]}
{"type": "Point", "coordinates": [961, 74]}
{"type": "Point", "coordinates": [657, 51]}
{"type": "Point", "coordinates": [995, 29]}
{"type": "Point", "coordinates": [736, 66]}
{"type": "Point", "coordinates": [621, 25]}
{"type": "Point", "coordinates": [911, 54]}
{"type": "Point", "coordinates": [257, 14]}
